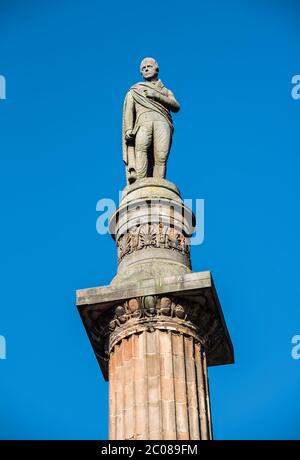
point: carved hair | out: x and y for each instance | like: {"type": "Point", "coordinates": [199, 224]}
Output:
{"type": "Point", "coordinates": [154, 62]}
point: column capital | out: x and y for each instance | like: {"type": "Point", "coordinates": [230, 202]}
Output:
{"type": "Point", "coordinates": [187, 304]}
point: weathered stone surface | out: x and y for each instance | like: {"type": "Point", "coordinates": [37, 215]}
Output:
{"type": "Point", "coordinates": [150, 187]}
{"type": "Point", "coordinates": [151, 405]}
{"type": "Point", "coordinates": [105, 296]}
{"type": "Point", "coordinates": [106, 313]}
{"type": "Point", "coordinates": [151, 227]}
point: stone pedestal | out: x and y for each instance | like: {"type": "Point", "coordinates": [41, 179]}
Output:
{"type": "Point", "coordinates": [152, 227]}
{"type": "Point", "coordinates": [158, 326]}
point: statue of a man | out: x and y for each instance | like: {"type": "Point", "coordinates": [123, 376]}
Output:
{"type": "Point", "coordinates": [147, 125]}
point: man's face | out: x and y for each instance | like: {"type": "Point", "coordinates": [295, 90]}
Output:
{"type": "Point", "coordinates": [149, 69]}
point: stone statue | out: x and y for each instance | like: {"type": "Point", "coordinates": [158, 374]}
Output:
{"type": "Point", "coordinates": [147, 125]}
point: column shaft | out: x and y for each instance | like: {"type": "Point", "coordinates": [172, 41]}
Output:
{"type": "Point", "coordinates": [158, 388]}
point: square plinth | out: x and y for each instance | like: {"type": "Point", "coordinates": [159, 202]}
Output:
{"type": "Point", "coordinates": [93, 303]}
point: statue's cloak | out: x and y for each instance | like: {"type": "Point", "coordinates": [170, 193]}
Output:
{"type": "Point", "coordinates": [137, 93]}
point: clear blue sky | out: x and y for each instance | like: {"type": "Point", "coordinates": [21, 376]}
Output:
{"type": "Point", "coordinates": [68, 66]}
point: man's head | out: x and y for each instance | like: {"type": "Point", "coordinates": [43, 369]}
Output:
{"type": "Point", "coordinates": [149, 69]}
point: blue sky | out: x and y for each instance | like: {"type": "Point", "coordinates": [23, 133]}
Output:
{"type": "Point", "coordinates": [68, 66]}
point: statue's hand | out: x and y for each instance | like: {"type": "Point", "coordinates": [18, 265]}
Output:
{"type": "Point", "coordinates": [150, 93]}
{"type": "Point", "coordinates": [129, 137]}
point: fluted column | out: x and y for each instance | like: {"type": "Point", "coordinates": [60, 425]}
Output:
{"type": "Point", "coordinates": [158, 387]}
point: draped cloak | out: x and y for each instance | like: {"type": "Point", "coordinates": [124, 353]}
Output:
{"type": "Point", "coordinates": [150, 105]}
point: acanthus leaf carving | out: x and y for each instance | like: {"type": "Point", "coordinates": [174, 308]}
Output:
{"type": "Point", "coordinates": [152, 235]}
